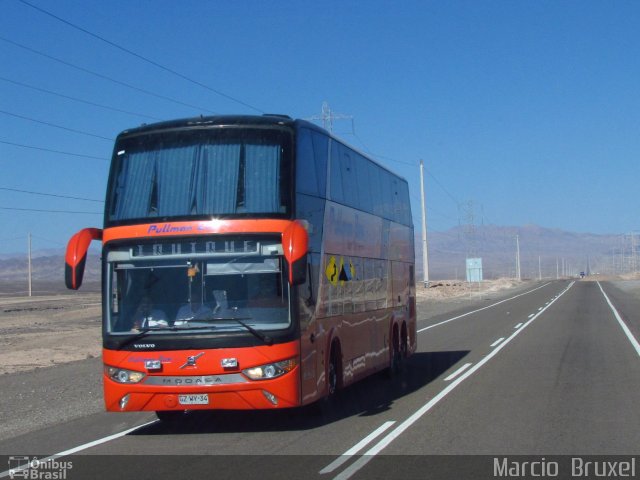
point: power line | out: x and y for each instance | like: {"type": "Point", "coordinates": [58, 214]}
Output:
{"type": "Point", "coordinates": [375, 155]}
{"type": "Point", "coordinates": [455, 200]}
{"type": "Point", "coordinates": [431, 210]}
{"type": "Point", "coordinates": [141, 57]}
{"type": "Point", "coordinates": [51, 195]}
{"type": "Point", "coordinates": [48, 211]}
{"type": "Point", "coordinates": [56, 126]}
{"type": "Point", "coordinates": [397, 161]}
{"type": "Point", "coordinates": [53, 151]}
{"type": "Point", "coordinates": [10, 239]}
{"type": "Point", "coordinates": [407, 163]}
{"type": "Point", "coordinates": [53, 242]}
{"type": "Point", "coordinates": [57, 94]}
{"type": "Point", "coordinates": [105, 77]}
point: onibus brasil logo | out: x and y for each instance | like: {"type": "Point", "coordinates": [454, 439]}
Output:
{"type": "Point", "coordinates": [50, 468]}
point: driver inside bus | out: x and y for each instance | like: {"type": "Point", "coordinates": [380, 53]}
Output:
{"type": "Point", "coordinates": [147, 316]}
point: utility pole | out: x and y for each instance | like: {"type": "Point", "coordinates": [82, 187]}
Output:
{"type": "Point", "coordinates": [518, 274]}
{"type": "Point", "coordinates": [557, 269]}
{"type": "Point", "coordinates": [425, 251]}
{"type": "Point", "coordinates": [623, 246]}
{"type": "Point", "coordinates": [539, 268]}
{"type": "Point", "coordinates": [634, 264]}
{"type": "Point", "coordinates": [29, 261]}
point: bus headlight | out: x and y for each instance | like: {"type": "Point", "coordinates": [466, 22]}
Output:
{"type": "Point", "coordinates": [271, 370]}
{"type": "Point", "coordinates": [121, 375]}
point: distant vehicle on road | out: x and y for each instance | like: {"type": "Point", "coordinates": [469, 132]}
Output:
{"type": "Point", "coordinates": [248, 263]}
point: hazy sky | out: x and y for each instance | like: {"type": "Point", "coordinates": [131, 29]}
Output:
{"type": "Point", "coordinates": [529, 109]}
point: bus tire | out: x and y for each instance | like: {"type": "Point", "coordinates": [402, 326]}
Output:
{"type": "Point", "coordinates": [404, 343]}
{"type": "Point", "coordinates": [333, 372]}
{"type": "Point", "coordinates": [397, 355]}
{"type": "Point", "coordinates": [326, 406]}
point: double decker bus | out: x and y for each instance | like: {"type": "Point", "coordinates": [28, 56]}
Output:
{"type": "Point", "coordinates": [248, 262]}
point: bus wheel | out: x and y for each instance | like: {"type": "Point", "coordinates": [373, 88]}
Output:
{"type": "Point", "coordinates": [396, 356]}
{"type": "Point", "coordinates": [332, 373]}
{"type": "Point", "coordinates": [326, 406]}
{"type": "Point", "coordinates": [171, 416]}
{"type": "Point", "coordinates": [404, 344]}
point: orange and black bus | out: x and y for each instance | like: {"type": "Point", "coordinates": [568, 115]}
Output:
{"type": "Point", "coordinates": [248, 262]}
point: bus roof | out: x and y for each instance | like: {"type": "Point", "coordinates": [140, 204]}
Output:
{"type": "Point", "coordinates": [203, 121]}
{"type": "Point", "coordinates": [266, 120]}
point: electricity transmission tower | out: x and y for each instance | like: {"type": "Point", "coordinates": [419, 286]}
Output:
{"type": "Point", "coordinates": [328, 116]}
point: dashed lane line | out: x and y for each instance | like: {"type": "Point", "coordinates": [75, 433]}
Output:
{"type": "Point", "coordinates": [396, 432]}
{"type": "Point", "coordinates": [458, 372]}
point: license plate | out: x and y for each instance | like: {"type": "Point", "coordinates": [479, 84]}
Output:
{"type": "Point", "coordinates": [198, 399]}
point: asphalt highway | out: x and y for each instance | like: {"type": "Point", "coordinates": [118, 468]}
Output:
{"type": "Point", "coordinates": [549, 371]}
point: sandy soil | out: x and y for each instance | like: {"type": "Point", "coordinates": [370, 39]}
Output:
{"type": "Point", "coordinates": [44, 331]}
{"type": "Point", "coordinates": [445, 289]}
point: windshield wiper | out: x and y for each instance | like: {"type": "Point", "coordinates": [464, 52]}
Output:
{"type": "Point", "coordinates": [257, 333]}
{"type": "Point", "coordinates": [261, 335]}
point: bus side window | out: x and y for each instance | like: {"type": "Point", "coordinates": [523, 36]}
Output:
{"type": "Point", "coordinates": [321, 155]}
{"type": "Point", "coordinates": [337, 195]}
{"type": "Point", "coordinates": [349, 179]}
{"type": "Point", "coordinates": [374, 183]}
{"type": "Point", "coordinates": [363, 184]}
{"type": "Point", "coordinates": [404, 198]}
{"type": "Point", "coordinates": [306, 180]}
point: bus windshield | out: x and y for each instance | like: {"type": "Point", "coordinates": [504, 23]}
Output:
{"type": "Point", "coordinates": [199, 173]}
{"type": "Point", "coordinates": [203, 293]}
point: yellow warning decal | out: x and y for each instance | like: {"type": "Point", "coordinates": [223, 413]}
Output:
{"type": "Point", "coordinates": [347, 271]}
{"type": "Point", "coordinates": [332, 271]}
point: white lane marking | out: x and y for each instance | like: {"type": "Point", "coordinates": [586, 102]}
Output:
{"type": "Point", "coordinates": [483, 308]}
{"type": "Point", "coordinates": [531, 315]}
{"type": "Point", "coordinates": [346, 456]}
{"type": "Point", "coordinates": [518, 325]}
{"type": "Point", "coordinates": [540, 309]}
{"type": "Point", "coordinates": [71, 451]}
{"type": "Point", "coordinates": [458, 372]}
{"type": "Point", "coordinates": [396, 432]}
{"type": "Point", "coordinates": [497, 342]}
{"type": "Point", "coordinates": [625, 329]}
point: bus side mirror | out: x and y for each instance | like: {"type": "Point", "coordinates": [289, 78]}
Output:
{"type": "Point", "coordinates": [76, 256]}
{"type": "Point", "coordinates": [295, 242]}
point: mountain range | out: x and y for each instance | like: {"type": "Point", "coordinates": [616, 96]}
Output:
{"type": "Point", "coordinates": [543, 251]}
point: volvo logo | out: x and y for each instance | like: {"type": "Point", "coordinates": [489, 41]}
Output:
{"type": "Point", "coordinates": [191, 360]}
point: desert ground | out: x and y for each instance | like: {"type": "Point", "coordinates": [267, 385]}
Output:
{"type": "Point", "coordinates": [43, 331]}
